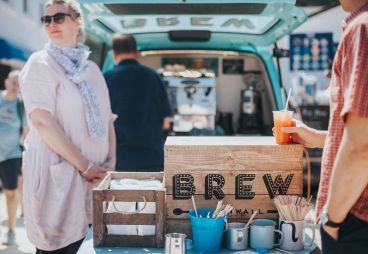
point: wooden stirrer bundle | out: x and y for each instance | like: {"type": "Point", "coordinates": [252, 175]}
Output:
{"type": "Point", "coordinates": [292, 208]}
{"type": "Point", "coordinates": [221, 210]}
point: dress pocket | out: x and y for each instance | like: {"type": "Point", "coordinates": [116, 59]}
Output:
{"type": "Point", "coordinates": [31, 172]}
{"type": "Point", "coordinates": [62, 175]}
{"type": "Point", "coordinates": [64, 205]}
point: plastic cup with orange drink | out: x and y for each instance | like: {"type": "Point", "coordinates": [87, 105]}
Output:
{"type": "Point", "coordinates": [282, 119]}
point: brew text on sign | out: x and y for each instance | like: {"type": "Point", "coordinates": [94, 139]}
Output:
{"type": "Point", "coordinates": [184, 186]}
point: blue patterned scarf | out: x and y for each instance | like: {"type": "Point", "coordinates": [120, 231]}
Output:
{"type": "Point", "coordinates": [74, 62]}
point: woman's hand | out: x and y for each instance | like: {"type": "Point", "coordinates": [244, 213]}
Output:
{"type": "Point", "coordinates": [109, 164]}
{"type": "Point", "coordinates": [305, 135]}
{"type": "Point", "coordinates": [94, 173]}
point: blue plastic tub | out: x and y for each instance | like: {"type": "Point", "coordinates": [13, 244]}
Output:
{"type": "Point", "coordinates": [207, 232]}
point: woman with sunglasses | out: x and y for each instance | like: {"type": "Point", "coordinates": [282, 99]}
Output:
{"type": "Point", "coordinates": [71, 143]}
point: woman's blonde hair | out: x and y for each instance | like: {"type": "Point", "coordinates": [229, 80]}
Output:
{"type": "Point", "coordinates": [74, 9]}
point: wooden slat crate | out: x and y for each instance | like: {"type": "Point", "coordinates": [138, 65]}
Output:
{"type": "Point", "coordinates": [245, 172]}
{"type": "Point", "coordinates": [102, 195]}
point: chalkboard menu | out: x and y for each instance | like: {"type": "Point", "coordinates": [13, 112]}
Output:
{"type": "Point", "coordinates": [316, 116]}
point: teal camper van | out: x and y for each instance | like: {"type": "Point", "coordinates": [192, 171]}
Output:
{"type": "Point", "coordinates": [218, 58]}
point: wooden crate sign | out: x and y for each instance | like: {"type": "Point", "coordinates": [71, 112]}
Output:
{"type": "Point", "coordinates": [245, 172]}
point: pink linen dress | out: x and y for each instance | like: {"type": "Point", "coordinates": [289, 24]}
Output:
{"type": "Point", "coordinates": [57, 199]}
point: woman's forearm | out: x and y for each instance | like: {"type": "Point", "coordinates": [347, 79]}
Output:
{"type": "Point", "coordinates": [166, 123]}
{"type": "Point", "coordinates": [321, 138]}
{"type": "Point", "coordinates": [349, 174]}
{"type": "Point", "coordinates": [350, 171]}
{"type": "Point", "coordinates": [112, 143]}
{"type": "Point", "coordinates": [55, 138]}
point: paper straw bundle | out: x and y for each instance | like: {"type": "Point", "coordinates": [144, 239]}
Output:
{"type": "Point", "coordinates": [292, 208]}
{"type": "Point", "coordinates": [221, 210]}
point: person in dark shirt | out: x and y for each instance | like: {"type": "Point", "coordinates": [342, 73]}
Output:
{"type": "Point", "coordinates": [139, 99]}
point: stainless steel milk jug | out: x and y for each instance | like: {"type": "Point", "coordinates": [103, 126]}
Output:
{"type": "Point", "coordinates": [175, 243]}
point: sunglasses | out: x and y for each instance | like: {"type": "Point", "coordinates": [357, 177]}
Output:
{"type": "Point", "coordinates": [58, 18]}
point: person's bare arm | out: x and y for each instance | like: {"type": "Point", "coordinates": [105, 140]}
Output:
{"type": "Point", "coordinates": [23, 135]}
{"type": "Point", "coordinates": [306, 136]}
{"type": "Point", "coordinates": [166, 123]}
{"type": "Point", "coordinates": [50, 131]}
{"type": "Point", "coordinates": [111, 159]}
{"type": "Point", "coordinates": [350, 172]}
{"type": "Point", "coordinates": [25, 131]}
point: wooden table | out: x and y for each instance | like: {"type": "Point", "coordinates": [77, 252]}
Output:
{"type": "Point", "coordinates": [87, 248]}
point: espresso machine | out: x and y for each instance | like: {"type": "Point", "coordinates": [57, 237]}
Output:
{"type": "Point", "coordinates": [250, 120]}
{"type": "Point", "coordinates": [192, 96]}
